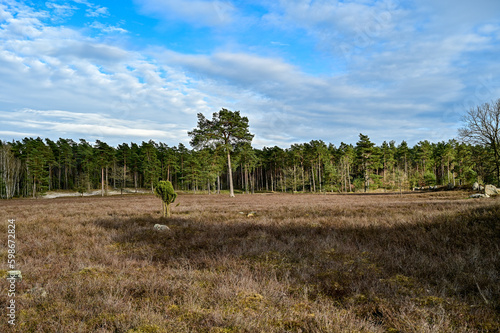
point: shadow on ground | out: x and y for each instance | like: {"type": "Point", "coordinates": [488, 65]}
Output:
{"type": "Point", "coordinates": [450, 263]}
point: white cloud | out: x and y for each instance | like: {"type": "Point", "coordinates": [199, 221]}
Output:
{"type": "Point", "coordinates": [196, 12]}
{"type": "Point", "coordinates": [87, 125]}
{"type": "Point", "coordinates": [106, 28]}
{"type": "Point", "coordinates": [97, 11]}
{"type": "Point", "coordinates": [60, 69]}
{"type": "Point", "coordinates": [339, 27]}
{"type": "Point", "coordinates": [61, 10]}
{"type": "Point", "coordinates": [448, 16]}
{"type": "Point", "coordinates": [398, 80]}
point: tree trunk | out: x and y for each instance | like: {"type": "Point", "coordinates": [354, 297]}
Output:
{"type": "Point", "coordinates": [230, 172]}
{"type": "Point", "coordinates": [303, 178]}
{"type": "Point", "coordinates": [246, 178]}
{"type": "Point", "coordinates": [313, 181]}
{"type": "Point", "coordinates": [107, 181]}
{"type": "Point", "coordinates": [252, 181]}
{"type": "Point", "coordinates": [294, 178]}
{"type": "Point", "coordinates": [124, 184]}
{"type": "Point", "coordinates": [50, 177]}
{"type": "Point", "coordinates": [102, 182]}
{"type": "Point", "coordinates": [218, 183]}
{"type": "Point", "coordinates": [319, 174]}
{"type": "Point", "coordinates": [168, 210]}
{"type": "Point", "coordinates": [272, 182]}
{"type": "Point", "coordinates": [349, 177]}
{"type": "Point", "coordinates": [66, 177]}
{"type": "Point", "coordinates": [264, 174]}
{"type": "Point", "coordinates": [497, 162]}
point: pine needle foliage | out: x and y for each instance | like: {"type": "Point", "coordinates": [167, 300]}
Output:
{"type": "Point", "coordinates": [165, 191]}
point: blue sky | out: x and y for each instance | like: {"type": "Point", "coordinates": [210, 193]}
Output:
{"type": "Point", "coordinates": [135, 70]}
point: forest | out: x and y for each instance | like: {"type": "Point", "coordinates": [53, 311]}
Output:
{"type": "Point", "coordinates": [30, 167]}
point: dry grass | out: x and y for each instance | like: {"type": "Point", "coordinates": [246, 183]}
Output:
{"type": "Point", "coordinates": [303, 263]}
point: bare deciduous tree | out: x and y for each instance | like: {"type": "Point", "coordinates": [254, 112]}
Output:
{"type": "Point", "coordinates": [482, 126]}
{"type": "Point", "coordinates": [10, 171]}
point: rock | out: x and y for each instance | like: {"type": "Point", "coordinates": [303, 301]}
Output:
{"type": "Point", "coordinates": [475, 186]}
{"type": "Point", "coordinates": [490, 190]}
{"type": "Point", "coordinates": [479, 195]}
{"type": "Point", "coordinates": [38, 292]}
{"type": "Point", "coordinates": [14, 275]}
{"type": "Point", "coordinates": [161, 227]}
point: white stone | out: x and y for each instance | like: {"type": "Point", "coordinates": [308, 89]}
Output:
{"type": "Point", "coordinates": [38, 292]}
{"type": "Point", "coordinates": [490, 190]}
{"type": "Point", "coordinates": [161, 227]}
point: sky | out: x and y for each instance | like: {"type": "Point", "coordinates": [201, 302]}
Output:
{"type": "Point", "coordinates": [140, 70]}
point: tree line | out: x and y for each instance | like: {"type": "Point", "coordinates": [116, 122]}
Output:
{"type": "Point", "coordinates": [222, 152]}
{"type": "Point", "coordinates": [32, 166]}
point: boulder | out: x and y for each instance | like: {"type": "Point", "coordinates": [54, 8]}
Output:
{"type": "Point", "coordinates": [475, 186]}
{"type": "Point", "coordinates": [161, 227]}
{"type": "Point", "coordinates": [490, 190]}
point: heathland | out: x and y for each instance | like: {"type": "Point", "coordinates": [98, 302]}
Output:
{"type": "Point", "coordinates": [420, 262]}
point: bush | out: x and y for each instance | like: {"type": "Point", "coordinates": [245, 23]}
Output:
{"type": "Point", "coordinates": [429, 178]}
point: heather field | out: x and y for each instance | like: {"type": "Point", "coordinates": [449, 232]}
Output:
{"type": "Point", "coordinates": [423, 262]}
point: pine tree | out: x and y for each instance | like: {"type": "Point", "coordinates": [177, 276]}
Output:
{"type": "Point", "coordinates": [365, 156]}
{"type": "Point", "coordinates": [226, 129]}
{"type": "Point", "coordinates": [150, 163]}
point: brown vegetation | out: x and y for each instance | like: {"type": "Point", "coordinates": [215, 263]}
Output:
{"type": "Point", "coordinates": [427, 262]}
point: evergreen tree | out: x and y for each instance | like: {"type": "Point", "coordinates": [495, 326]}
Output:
{"type": "Point", "coordinates": [366, 158]}
{"type": "Point", "coordinates": [86, 164]}
{"type": "Point", "coordinates": [227, 128]}
{"type": "Point", "coordinates": [65, 160]}
{"type": "Point", "coordinates": [150, 163]}
{"type": "Point", "coordinates": [124, 154]}
{"type": "Point", "coordinates": [37, 155]}
{"type": "Point", "coordinates": [103, 155]}
{"type": "Point", "coordinates": [165, 191]}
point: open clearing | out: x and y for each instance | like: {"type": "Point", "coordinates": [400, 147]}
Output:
{"type": "Point", "coordinates": [426, 262]}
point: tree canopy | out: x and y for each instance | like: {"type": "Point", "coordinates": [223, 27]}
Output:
{"type": "Point", "coordinates": [32, 166]}
{"type": "Point", "coordinates": [165, 191]}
